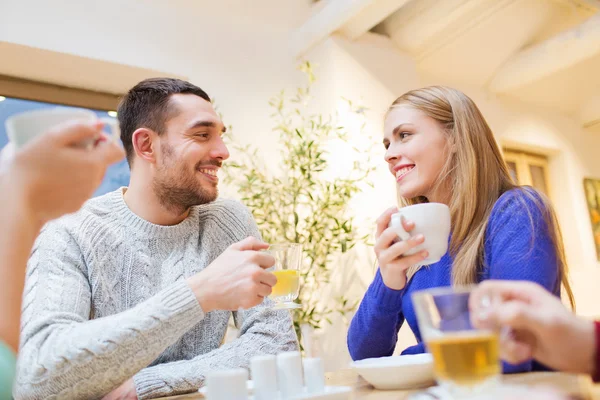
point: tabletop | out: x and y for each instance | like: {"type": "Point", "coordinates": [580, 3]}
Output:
{"type": "Point", "coordinates": [578, 387]}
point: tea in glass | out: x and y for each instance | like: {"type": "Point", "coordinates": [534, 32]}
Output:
{"type": "Point", "coordinates": [287, 287]}
{"type": "Point", "coordinates": [288, 258]}
{"type": "Point", "coordinates": [466, 360]}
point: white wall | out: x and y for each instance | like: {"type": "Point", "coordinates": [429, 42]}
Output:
{"type": "Point", "coordinates": [236, 50]}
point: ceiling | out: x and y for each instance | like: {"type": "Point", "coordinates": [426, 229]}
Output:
{"type": "Point", "coordinates": [471, 41]}
{"type": "Point", "coordinates": [545, 52]}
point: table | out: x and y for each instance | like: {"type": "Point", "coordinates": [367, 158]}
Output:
{"type": "Point", "coordinates": [578, 386]}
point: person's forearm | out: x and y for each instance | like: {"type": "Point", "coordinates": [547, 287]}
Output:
{"type": "Point", "coordinates": [18, 233]}
{"type": "Point", "coordinates": [73, 359]}
{"type": "Point", "coordinates": [263, 332]}
{"type": "Point", "coordinates": [373, 331]}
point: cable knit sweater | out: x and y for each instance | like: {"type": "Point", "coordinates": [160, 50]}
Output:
{"type": "Point", "coordinates": [106, 300]}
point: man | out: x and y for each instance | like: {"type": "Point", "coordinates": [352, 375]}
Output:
{"type": "Point", "coordinates": [29, 179]}
{"type": "Point", "coordinates": [135, 291]}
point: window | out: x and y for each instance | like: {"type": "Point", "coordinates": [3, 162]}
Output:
{"type": "Point", "coordinates": [18, 96]}
{"type": "Point", "coordinates": [528, 169]}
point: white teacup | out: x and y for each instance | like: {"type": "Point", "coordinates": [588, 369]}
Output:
{"type": "Point", "coordinates": [22, 127]}
{"type": "Point", "coordinates": [432, 220]}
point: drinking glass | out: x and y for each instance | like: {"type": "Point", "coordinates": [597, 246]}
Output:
{"type": "Point", "coordinates": [288, 258]}
{"type": "Point", "coordinates": [466, 359]}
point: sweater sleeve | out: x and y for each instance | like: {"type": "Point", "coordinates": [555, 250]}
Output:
{"type": "Point", "coordinates": [374, 329]}
{"type": "Point", "coordinates": [519, 247]}
{"type": "Point", "coordinates": [263, 331]}
{"type": "Point", "coordinates": [63, 353]}
{"type": "Point", "coordinates": [418, 348]}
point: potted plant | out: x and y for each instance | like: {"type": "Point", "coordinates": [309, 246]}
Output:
{"type": "Point", "coordinates": [302, 202]}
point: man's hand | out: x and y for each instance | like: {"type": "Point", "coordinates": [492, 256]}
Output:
{"type": "Point", "coordinates": [236, 279]}
{"type": "Point", "coordinates": [124, 392]}
{"type": "Point", "coordinates": [541, 326]}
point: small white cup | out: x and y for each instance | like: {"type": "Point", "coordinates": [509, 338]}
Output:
{"type": "Point", "coordinates": [314, 375]}
{"type": "Point", "coordinates": [289, 374]}
{"type": "Point", "coordinates": [227, 385]}
{"type": "Point", "coordinates": [432, 220]}
{"type": "Point", "coordinates": [264, 376]}
{"type": "Point", "coordinates": [22, 127]}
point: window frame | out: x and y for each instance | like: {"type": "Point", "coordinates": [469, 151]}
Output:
{"type": "Point", "coordinates": [55, 94]}
{"type": "Point", "coordinates": [523, 160]}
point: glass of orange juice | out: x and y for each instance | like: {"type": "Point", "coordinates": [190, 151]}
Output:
{"type": "Point", "coordinates": [288, 258]}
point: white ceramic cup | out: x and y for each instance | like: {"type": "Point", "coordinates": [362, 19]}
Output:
{"type": "Point", "coordinates": [289, 374]}
{"type": "Point", "coordinates": [227, 384]}
{"type": "Point", "coordinates": [314, 375]}
{"type": "Point", "coordinates": [264, 376]}
{"type": "Point", "coordinates": [22, 127]}
{"type": "Point", "coordinates": [432, 220]}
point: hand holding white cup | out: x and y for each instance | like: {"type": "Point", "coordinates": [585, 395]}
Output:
{"type": "Point", "coordinates": [432, 220]}
{"type": "Point", "coordinates": [413, 235]}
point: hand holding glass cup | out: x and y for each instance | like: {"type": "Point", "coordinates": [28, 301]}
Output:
{"type": "Point", "coordinates": [466, 360]}
{"type": "Point", "coordinates": [288, 259]}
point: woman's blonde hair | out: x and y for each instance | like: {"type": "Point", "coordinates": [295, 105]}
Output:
{"type": "Point", "coordinates": [477, 175]}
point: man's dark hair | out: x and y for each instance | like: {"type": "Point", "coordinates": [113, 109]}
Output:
{"type": "Point", "coordinates": [146, 105]}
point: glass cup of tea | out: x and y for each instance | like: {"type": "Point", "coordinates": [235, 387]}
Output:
{"type": "Point", "coordinates": [466, 359]}
{"type": "Point", "coordinates": [288, 258]}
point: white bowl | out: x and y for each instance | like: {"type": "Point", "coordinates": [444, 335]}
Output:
{"type": "Point", "coordinates": [397, 372]}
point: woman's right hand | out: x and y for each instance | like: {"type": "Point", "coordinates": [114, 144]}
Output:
{"type": "Point", "coordinates": [53, 175]}
{"type": "Point", "coordinates": [390, 254]}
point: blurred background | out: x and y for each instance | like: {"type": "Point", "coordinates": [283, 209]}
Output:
{"type": "Point", "coordinates": [532, 66]}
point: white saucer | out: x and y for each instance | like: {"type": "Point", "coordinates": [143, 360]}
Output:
{"type": "Point", "coordinates": [397, 372]}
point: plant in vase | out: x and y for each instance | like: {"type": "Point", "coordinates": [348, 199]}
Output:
{"type": "Point", "coordinates": [303, 202]}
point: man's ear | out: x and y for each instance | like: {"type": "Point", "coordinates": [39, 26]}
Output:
{"type": "Point", "coordinates": [144, 141]}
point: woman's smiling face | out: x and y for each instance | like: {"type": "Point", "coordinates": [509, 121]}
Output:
{"type": "Point", "coordinates": [416, 151]}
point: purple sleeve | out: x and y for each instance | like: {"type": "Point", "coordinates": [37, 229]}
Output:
{"type": "Point", "coordinates": [519, 247]}
{"type": "Point", "coordinates": [416, 349]}
{"type": "Point", "coordinates": [374, 329]}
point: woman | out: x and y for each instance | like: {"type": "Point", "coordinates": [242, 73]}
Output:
{"type": "Point", "coordinates": [49, 177]}
{"type": "Point", "coordinates": [440, 149]}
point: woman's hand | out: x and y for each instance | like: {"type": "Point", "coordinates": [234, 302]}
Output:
{"type": "Point", "coordinates": [390, 253]}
